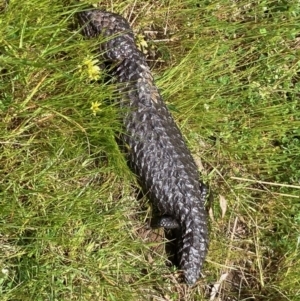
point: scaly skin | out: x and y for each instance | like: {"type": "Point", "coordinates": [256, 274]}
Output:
{"type": "Point", "coordinates": [157, 152]}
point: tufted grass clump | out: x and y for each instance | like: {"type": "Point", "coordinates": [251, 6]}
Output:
{"type": "Point", "coordinates": [72, 220]}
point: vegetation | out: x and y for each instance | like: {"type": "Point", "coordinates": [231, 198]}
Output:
{"type": "Point", "coordinates": [73, 226]}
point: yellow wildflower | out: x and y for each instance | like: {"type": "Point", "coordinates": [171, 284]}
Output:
{"type": "Point", "coordinates": [142, 43]}
{"type": "Point", "coordinates": [91, 67]}
{"type": "Point", "coordinates": [94, 72]}
{"type": "Point", "coordinates": [95, 107]}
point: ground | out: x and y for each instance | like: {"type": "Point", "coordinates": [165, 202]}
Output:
{"type": "Point", "coordinates": [74, 225]}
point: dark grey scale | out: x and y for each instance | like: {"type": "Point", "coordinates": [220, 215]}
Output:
{"type": "Point", "coordinates": [157, 152]}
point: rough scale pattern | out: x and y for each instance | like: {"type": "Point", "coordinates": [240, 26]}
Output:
{"type": "Point", "coordinates": [157, 152]}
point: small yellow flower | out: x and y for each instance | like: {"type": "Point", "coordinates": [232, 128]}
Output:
{"type": "Point", "coordinates": [95, 107]}
{"type": "Point", "coordinates": [142, 43]}
{"type": "Point", "coordinates": [92, 69]}
{"type": "Point", "coordinates": [94, 72]}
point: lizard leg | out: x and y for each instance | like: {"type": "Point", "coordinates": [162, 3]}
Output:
{"type": "Point", "coordinates": [165, 221]}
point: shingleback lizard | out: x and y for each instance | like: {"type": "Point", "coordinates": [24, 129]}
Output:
{"type": "Point", "coordinates": [157, 152]}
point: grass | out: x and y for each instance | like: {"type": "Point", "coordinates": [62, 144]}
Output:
{"type": "Point", "coordinates": [72, 224]}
